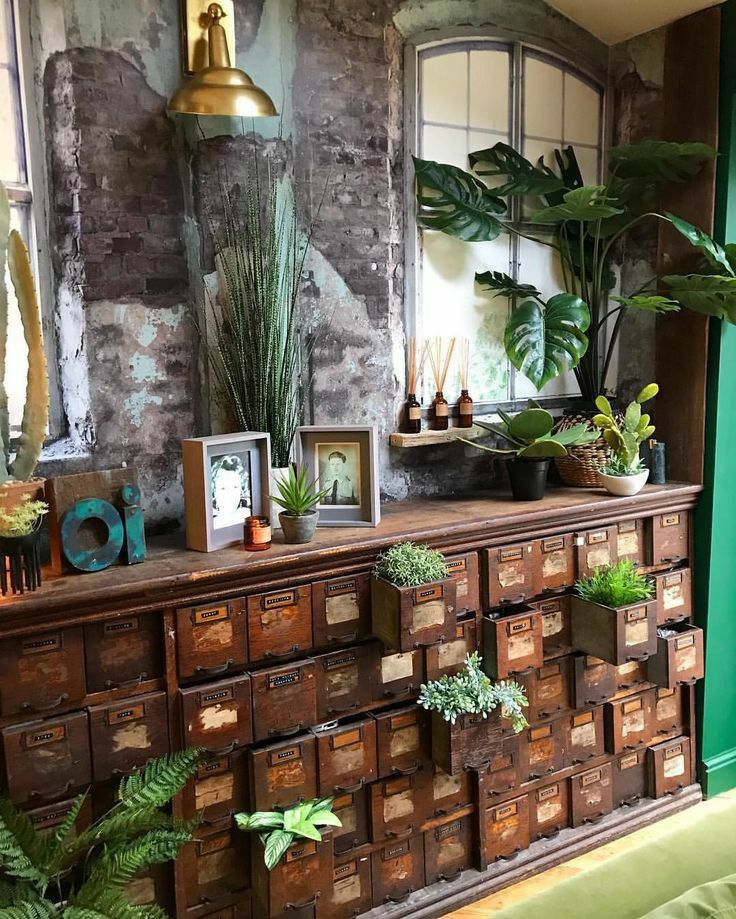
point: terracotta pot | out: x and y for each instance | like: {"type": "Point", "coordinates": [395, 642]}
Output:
{"type": "Point", "coordinates": [298, 528]}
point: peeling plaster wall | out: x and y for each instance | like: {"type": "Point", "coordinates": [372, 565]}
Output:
{"type": "Point", "coordinates": [126, 189]}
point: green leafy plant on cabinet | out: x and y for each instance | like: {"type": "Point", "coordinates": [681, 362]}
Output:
{"type": "Point", "coordinates": [409, 565]}
{"type": "Point", "coordinates": [278, 829]}
{"type": "Point", "coordinates": [615, 586]}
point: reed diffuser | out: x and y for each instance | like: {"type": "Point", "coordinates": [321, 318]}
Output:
{"type": "Point", "coordinates": [439, 360]}
{"type": "Point", "coordinates": [465, 404]}
{"type": "Point", "coordinates": [411, 421]}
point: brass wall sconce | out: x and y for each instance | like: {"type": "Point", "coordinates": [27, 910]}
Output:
{"type": "Point", "coordinates": [217, 88]}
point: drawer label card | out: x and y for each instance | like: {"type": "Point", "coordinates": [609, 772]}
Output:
{"type": "Point", "coordinates": [42, 644]}
{"type": "Point", "coordinates": [599, 557]}
{"type": "Point", "coordinates": [520, 646]}
{"type": "Point", "coordinates": [636, 633]}
{"type": "Point", "coordinates": [345, 739]}
{"type": "Point", "coordinates": [674, 766]}
{"type": "Point", "coordinates": [510, 575]}
{"type": "Point", "coordinates": [633, 722]}
{"type": "Point", "coordinates": [398, 806]}
{"type": "Point", "coordinates": [628, 544]}
{"type": "Point", "coordinates": [554, 564]}
{"type": "Point", "coordinates": [216, 614]}
{"type": "Point", "coordinates": [427, 615]}
{"type": "Point", "coordinates": [121, 627]}
{"type": "Point", "coordinates": [451, 654]}
{"type": "Point", "coordinates": [583, 735]}
{"type": "Point", "coordinates": [45, 736]}
{"type": "Point", "coordinates": [214, 789]}
{"type": "Point", "coordinates": [404, 741]}
{"type": "Point", "coordinates": [628, 761]}
{"type": "Point", "coordinates": [397, 667]}
{"type": "Point", "coordinates": [445, 786]}
{"type": "Point", "coordinates": [687, 656]}
{"type": "Point", "coordinates": [284, 679]}
{"type": "Point", "coordinates": [551, 623]}
{"type": "Point", "coordinates": [346, 889]}
{"type": "Point", "coordinates": [342, 608]}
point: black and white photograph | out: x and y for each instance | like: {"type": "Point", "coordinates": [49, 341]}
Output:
{"type": "Point", "coordinates": [339, 472]}
{"type": "Point", "coordinates": [231, 491]}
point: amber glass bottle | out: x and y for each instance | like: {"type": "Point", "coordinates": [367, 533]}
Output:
{"type": "Point", "coordinates": [440, 412]}
{"type": "Point", "coordinates": [412, 418]}
{"type": "Point", "coordinates": [465, 410]}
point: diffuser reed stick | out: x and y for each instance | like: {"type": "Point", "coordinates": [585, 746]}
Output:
{"type": "Point", "coordinates": [465, 403]}
{"type": "Point", "coordinates": [439, 360]}
{"type": "Point", "coordinates": [411, 420]}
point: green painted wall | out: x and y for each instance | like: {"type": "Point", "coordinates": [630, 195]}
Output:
{"type": "Point", "coordinates": [715, 555]}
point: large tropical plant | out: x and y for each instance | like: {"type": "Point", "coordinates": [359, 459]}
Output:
{"type": "Point", "coordinates": [578, 327]}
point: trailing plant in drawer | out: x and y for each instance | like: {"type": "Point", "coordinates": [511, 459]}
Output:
{"type": "Point", "coordinates": [279, 829]}
{"type": "Point", "coordinates": [69, 874]}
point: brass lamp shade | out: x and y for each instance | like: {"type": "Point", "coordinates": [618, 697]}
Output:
{"type": "Point", "coordinates": [221, 89]}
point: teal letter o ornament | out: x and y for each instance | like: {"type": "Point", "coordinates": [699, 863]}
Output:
{"type": "Point", "coordinates": [101, 556]}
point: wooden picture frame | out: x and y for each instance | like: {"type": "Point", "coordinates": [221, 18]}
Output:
{"type": "Point", "coordinates": [246, 455]}
{"type": "Point", "coordinates": [355, 446]}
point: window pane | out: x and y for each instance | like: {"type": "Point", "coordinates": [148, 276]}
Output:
{"type": "Point", "coordinates": [588, 162]}
{"type": "Point", "coordinates": [489, 90]}
{"type": "Point", "coordinates": [12, 160]}
{"type": "Point", "coordinates": [445, 145]}
{"type": "Point", "coordinates": [16, 359]}
{"type": "Point", "coordinates": [582, 112]}
{"type": "Point", "coordinates": [542, 99]}
{"type": "Point", "coordinates": [445, 88]}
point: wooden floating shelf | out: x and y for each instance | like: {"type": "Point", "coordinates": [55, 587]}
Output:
{"type": "Point", "coordinates": [435, 438]}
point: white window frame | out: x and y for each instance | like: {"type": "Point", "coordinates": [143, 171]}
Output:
{"type": "Point", "coordinates": [518, 49]}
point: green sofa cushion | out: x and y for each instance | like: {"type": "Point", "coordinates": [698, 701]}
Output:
{"type": "Point", "coordinates": [700, 847]}
{"type": "Point", "coordinates": [715, 900]}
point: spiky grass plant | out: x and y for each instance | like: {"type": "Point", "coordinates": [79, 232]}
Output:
{"type": "Point", "coordinates": [256, 345]}
{"type": "Point", "coordinates": [296, 494]}
{"type": "Point", "coordinates": [68, 875]}
{"type": "Point", "coordinates": [471, 692]}
{"type": "Point", "coordinates": [617, 585]}
{"type": "Point", "coordinates": [408, 565]}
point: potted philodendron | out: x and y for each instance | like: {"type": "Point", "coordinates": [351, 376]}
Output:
{"type": "Point", "coordinates": [297, 496]}
{"type": "Point", "coordinates": [412, 597]}
{"type": "Point", "coordinates": [20, 533]}
{"type": "Point", "coordinates": [467, 713]}
{"type": "Point", "coordinates": [626, 473]}
{"type": "Point", "coordinates": [533, 442]}
{"type": "Point", "coordinates": [613, 614]}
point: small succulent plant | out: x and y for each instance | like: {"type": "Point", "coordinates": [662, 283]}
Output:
{"type": "Point", "coordinates": [617, 585]}
{"type": "Point", "coordinates": [408, 565]}
{"type": "Point", "coordinates": [625, 441]}
{"type": "Point", "coordinates": [297, 495]}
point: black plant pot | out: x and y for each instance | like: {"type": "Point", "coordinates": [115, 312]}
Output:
{"type": "Point", "coordinates": [528, 478]}
{"type": "Point", "coordinates": [20, 562]}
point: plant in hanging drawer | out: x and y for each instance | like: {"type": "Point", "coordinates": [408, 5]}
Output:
{"type": "Point", "coordinates": [626, 473]}
{"type": "Point", "coordinates": [618, 585]}
{"type": "Point", "coordinates": [72, 874]}
{"type": "Point", "coordinates": [278, 829]}
{"type": "Point", "coordinates": [409, 565]}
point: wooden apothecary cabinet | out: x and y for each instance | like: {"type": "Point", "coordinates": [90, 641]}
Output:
{"type": "Point", "coordinates": [406, 618]}
{"type": "Point", "coordinates": [448, 850]}
{"type": "Point", "coordinates": [617, 635]}
{"type": "Point", "coordinates": [347, 756]}
{"type": "Point", "coordinates": [512, 641]}
{"type": "Point", "coordinates": [591, 794]}
{"type": "Point", "coordinates": [341, 608]}
{"type": "Point", "coordinates": [211, 639]}
{"type": "Point", "coordinates": [550, 810]}
{"type": "Point", "coordinates": [283, 773]}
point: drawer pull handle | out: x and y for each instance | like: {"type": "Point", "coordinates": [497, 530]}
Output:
{"type": "Point", "coordinates": [288, 732]}
{"type": "Point", "coordinates": [307, 903]}
{"type": "Point", "coordinates": [428, 644]}
{"type": "Point", "coordinates": [630, 802]}
{"type": "Point", "coordinates": [126, 684]}
{"type": "Point", "coordinates": [676, 621]}
{"type": "Point", "coordinates": [445, 811]}
{"type": "Point", "coordinates": [411, 770]}
{"type": "Point", "coordinates": [552, 711]}
{"type": "Point", "coordinates": [509, 601]}
{"type": "Point", "coordinates": [550, 834]}
{"type": "Point", "coordinates": [390, 694]}
{"type": "Point", "coordinates": [525, 672]}
{"type": "Point", "coordinates": [593, 820]}
{"type": "Point", "coordinates": [401, 834]}
{"type": "Point", "coordinates": [351, 848]}
{"type": "Point", "coordinates": [342, 711]}
{"type": "Point", "coordinates": [224, 751]}
{"type": "Point", "coordinates": [675, 791]}
{"type": "Point", "coordinates": [31, 707]}
{"type": "Point", "coordinates": [343, 639]}
{"type": "Point", "coordinates": [401, 897]}
{"type": "Point", "coordinates": [673, 559]}
{"type": "Point", "coordinates": [215, 671]}
{"type": "Point", "coordinates": [507, 858]}
{"type": "Point", "coordinates": [272, 654]}
{"type": "Point", "coordinates": [450, 877]}
{"type": "Point", "coordinates": [688, 683]}
{"type": "Point", "coordinates": [350, 789]}
{"type": "Point", "coordinates": [540, 775]}
{"type": "Point", "coordinates": [555, 591]}
{"type": "Point", "coordinates": [638, 660]}
{"type": "Point", "coordinates": [477, 767]}
{"type": "Point", "coordinates": [51, 795]}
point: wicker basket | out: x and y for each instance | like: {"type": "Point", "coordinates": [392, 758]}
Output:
{"type": "Point", "coordinates": [580, 467]}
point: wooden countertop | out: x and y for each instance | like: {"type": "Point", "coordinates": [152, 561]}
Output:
{"type": "Point", "coordinates": [173, 576]}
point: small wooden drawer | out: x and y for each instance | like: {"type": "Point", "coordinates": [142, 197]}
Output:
{"type": "Point", "coordinates": [350, 893]}
{"type": "Point", "coordinates": [240, 909]}
{"type": "Point", "coordinates": [403, 740]}
{"type": "Point", "coordinates": [42, 672]}
{"type": "Point", "coordinates": [585, 736]}
{"type": "Point", "coordinates": [594, 680]}
{"type": "Point", "coordinates": [347, 757]}
{"type": "Point", "coordinates": [449, 657]}
{"type": "Point", "coordinates": [556, 632]}
{"type": "Point", "coordinates": [595, 549]}
{"type": "Point", "coordinates": [503, 773]}
{"type": "Point", "coordinates": [591, 794]}
{"type": "Point", "coordinates": [279, 623]}
{"type": "Point", "coordinates": [351, 808]}
{"type": "Point", "coordinates": [557, 562]}
{"type": "Point", "coordinates": [345, 680]}
{"type": "Point", "coordinates": [463, 569]}
{"type": "Point", "coordinates": [674, 591]}
{"type": "Point", "coordinates": [629, 721]}
{"type": "Point", "coordinates": [511, 574]}
{"type": "Point", "coordinates": [630, 675]}
{"type": "Point", "coordinates": [128, 734]}
{"type": "Point", "coordinates": [397, 870]}
{"type": "Point", "coordinates": [122, 653]}
{"type": "Point", "coordinates": [504, 829]}
{"type": "Point", "coordinates": [631, 544]}
{"type": "Point", "coordinates": [341, 610]}
{"type": "Point", "coordinates": [549, 810]}
{"type": "Point", "coordinates": [154, 887]}
{"type": "Point", "coordinates": [542, 750]}
{"type": "Point", "coordinates": [548, 689]}
{"type": "Point", "coordinates": [669, 716]}
{"type": "Point", "coordinates": [450, 792]}
{"type": "Point", "coordinates": [679, 658]}
{"type": "Point", "coordinates": [45, 760]}
{"type": "Point", "coordinates": [47, 818]}
{"type": "Point", "coordinates": [448, 850]}
{"type": "Point", "coordinates": [210, 640]}
{"type": "Point", "coordinates": [617, 635]}
{"type": "Point", "coordinates": [283, 773]}
{"type": "Point", "coordinates": [406, 618]}
{"type": "Point", "coordinates": [400, 804]}
{"type": "Point", "coordinates": [470, 743]}
{"type": "Point", "coordinates": [512, 641]}
{"type": "Point", "coordinates": [399, 675]}
{"type": "Point", "coordinates": [629, 777]}
{"type": "Point", "coordinates": [284, 700]}
{"type": "Point", "coordinates": [217, 716]}
{"type": "Point", "coordinates": [669, 767]}
{"type": "Point", "coordinates": [215, 864]}
{"type": "Point", "coordinates": [294, 885]}
{"type": "Point", "coordinates": [218, 789]}
{"type": "Point", "coordinates": [670, 538]}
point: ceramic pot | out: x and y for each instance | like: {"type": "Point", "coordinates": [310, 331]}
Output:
{"type": "Point", "coordinates": [298, 528]}
{"type": "Point", "coordinates": [528, 478]}
{"type": "Point", "coordinates": [623, 486]}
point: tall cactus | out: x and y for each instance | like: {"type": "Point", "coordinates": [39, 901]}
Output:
{"type": "Point", "coordinates": [14, 256]}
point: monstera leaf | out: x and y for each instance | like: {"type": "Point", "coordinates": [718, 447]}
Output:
{"type": "Point", "coordinates": [715, 254]}
{"type": "Point", "coordinates": [523, 177]}
{"type": "Point", "coordinates": [659, 160]}
{"type": "Point", "coordinates": [649, 303]}
{"type": "Point", "coordinates": [504, 285]}
{"type": "Point", "coordinates": [713, 295]}
{"type": "Point", "coordinates": [544, 341]}
{"type": "Point", "coordinates": [582, 204]}
{"type": "Point", "coordinates": [463, 207]}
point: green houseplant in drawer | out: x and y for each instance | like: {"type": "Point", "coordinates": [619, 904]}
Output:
{"type": "Point", "coordinates": [614, 614]}
{"type": "Point", "coordinates": [412, 598]}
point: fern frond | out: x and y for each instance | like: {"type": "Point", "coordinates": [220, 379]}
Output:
{"type": "Point", "coordinates": [158, 782]}
{"type": "Point", "coordinates": [12, 893]}
{"type": "Point", "coordinates": [31, 909]}
{"type": "Point", "coordinates": [111, 904]}
{"type": "Point", "coordinates": [23, 852]}
{"type": "Point", "coordinates": [67, 825]}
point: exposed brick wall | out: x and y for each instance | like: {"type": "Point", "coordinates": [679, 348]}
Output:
{"type": "Point", "coordinates": [121, 195]}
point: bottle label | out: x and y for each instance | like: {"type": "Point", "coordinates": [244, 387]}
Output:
{"type": "Point", "coordinates": [259, 535]}
{"type": "Point", "coordinates": [466, 408]}
{"type": "Point", "coordinates": [415, 413]}
{"type": "Point", "coordinates": [441, 409]}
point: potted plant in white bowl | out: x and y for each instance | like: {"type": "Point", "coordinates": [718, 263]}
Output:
{"type": "Point", "coordinates": [626, 473]}
{"type": "Point", "coordinates": [297, 496]}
